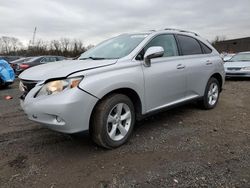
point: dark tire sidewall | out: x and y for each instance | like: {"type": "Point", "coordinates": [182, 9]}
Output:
{"type": "Point", "coordinates": [110, 104]}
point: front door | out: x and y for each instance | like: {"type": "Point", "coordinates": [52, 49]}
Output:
{"type": "Point", "coordinates": [165, 79]}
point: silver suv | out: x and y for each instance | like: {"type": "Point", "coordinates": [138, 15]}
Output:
{"type": "Point", "coordinates": [121, 80]}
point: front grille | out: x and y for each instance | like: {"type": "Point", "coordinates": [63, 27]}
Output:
{"type": "Point", "coordinates": [234, 68]}
{"type": "Point", "coordinates": [26, 86]}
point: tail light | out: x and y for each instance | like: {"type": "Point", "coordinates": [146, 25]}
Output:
{"type": "Point", "coordinates": [23, 66]}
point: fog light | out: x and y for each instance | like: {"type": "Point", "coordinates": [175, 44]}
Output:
{"type": "Point", "coordinates": [59, 120]}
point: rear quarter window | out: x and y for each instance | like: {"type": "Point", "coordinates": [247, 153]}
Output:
{"type": "Point", "coordinates": [206, 49]}
{"type": "Point", "coordinates": [189, 45]}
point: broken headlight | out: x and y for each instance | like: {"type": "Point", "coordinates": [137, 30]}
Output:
{"type": "Point", "coordinates": [57, 86]}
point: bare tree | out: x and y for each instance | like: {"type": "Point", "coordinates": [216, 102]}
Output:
{"type": "Point", "coordinates": [55, 45]}
{"type": "Point", "coordinates": [64, 42]}
{"type": "Point", "coordinates": [6, 44]}
{"type": "Point", "coordinates": [90, 46]}
{"type": "Point", "coordinates": [9, 44]}
{"type": "Point", "coordinates": [78, 47]}
{"type": "Point", "coordinates": [64, 47]}
{"type": "Point", "coordinates": [218, 39]}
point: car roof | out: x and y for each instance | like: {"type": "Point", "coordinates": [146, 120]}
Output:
{"type": "Point", "coordinates": [166, 30]}
{"type": "Point", "coordinates": [179, 31]}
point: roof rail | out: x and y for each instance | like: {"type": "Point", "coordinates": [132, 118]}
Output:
{"type": "Point", "coordinates": [180, 30]}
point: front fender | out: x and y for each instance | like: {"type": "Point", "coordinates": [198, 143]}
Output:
{"type": "Point", "coordinates": [106, 81]}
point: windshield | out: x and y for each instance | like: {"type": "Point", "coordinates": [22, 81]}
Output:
{"type": "Point", "coordinates": [32, 59]}
{"type": "Point", "coordinates": [114, 48]}
{"type": "Point", "coordinates": [240, 57]}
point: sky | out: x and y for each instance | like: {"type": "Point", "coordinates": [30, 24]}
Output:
{"type": "Point", "coordinates": [95, 20]}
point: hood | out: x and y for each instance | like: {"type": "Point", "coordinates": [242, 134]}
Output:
{"type": "Point", "coordinates": [62, 68]}
{"type": "Point", "coordinates": [238, 64]}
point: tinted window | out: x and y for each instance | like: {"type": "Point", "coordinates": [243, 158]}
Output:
{"type": "Point", "coordinates": [60, 58]}
{"type": "Point", "coordinates": [189, 45]}
{"type": "Point", "coordinates": [205, 48]}
{"type": "Point", "coordinates": [52, 59]}
{"type": "Point", "coordinates": [48, 59]}
{"type": "Point", "coordinates": [45, 60]}
{"type": "Point", "coordinates": [33, 59]}
{"type": "Point", "coordinates": [167, 42]}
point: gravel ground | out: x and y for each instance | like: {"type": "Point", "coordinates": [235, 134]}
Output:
{"type": "Point", "coordinates": [183, 147]}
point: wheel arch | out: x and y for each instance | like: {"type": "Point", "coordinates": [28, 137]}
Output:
{"type": "Point", "coordinates": [218, 77]}
{"type": "Point", "coordinates": [131, 94]}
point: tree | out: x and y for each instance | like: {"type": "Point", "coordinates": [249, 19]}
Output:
{"type": "Point", "coordinates": [64, 42]}
{"type": "Point", "coordinates": [9, 44]}
{"type": "Point", "coordinates": [64, 47]}
{"type": "Point", "coordinates": [218, 39]}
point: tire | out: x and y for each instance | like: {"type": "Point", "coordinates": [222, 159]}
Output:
{"type": "Point", "coordinates": [212, 94]}
{"type": "Point", "coordinates": [2, 85]}
{"type": "Point", "coordinates": [112, 121]}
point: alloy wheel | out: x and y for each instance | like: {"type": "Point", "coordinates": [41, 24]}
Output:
{"type": "Point", "coordinates": [213, 94]}
{"type": "Point", "coordinates": [119, 121]}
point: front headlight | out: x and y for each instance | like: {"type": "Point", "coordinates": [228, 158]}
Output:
{"type": "Point", "coordinates": [246, 68]}
{"type": "Point", "coordinates": [57, 86]}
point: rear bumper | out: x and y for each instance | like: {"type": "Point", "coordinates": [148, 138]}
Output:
{"type": "Point", "coordinates": [67, 112]}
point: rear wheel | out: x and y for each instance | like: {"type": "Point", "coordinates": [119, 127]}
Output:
{"type": "Point", "coordinates": [212, 93]}
{"type": "Point", "coordinates": [112, 121]}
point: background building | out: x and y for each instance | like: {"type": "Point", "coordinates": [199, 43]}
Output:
{"type": "Point", "coordinates": [233, 45]}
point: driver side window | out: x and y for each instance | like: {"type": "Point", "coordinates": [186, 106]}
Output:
{"type": "Point", "coordinates": [166, 41]}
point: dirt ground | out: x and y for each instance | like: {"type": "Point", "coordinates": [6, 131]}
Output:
{"type": "Point", "coordinates": [183, 147]}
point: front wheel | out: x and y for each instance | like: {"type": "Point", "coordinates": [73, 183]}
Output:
{"type": "Point", "coordinates": [212, 93]}
{"type": "Point", "coordinates": [112, 121]}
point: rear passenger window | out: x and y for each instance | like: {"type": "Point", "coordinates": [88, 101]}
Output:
{"type": "Point", "coordinates": [189, 45]}
{"type": "Point", "coordinates": [205, 48]}
{"type": "Point", "coordinates": [167, 42]}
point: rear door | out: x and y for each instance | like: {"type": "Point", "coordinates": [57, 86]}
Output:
{"type": "Point", "coordinates": [199, 64]}
{"type": "Point", "coordinates": [165, 79]}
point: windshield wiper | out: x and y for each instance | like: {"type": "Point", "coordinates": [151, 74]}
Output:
{"type": "Point", "coordinates": [93, 58]}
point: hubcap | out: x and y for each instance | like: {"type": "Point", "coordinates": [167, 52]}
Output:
{"type": "Point", "coordinates": [213, 94]}
{"type": "Point", "coordinates": [119, 121]}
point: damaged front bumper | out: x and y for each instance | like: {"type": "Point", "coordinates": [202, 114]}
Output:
{"type": "Point", "coordinates": [68, 111]}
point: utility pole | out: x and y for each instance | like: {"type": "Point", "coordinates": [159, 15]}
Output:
{"type": "Point", "coordinates": [34, 37]}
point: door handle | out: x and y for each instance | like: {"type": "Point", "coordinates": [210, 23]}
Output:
{"type": "Point", "coordinates": [209, 62]}
{"type": "Point", "coordinates": [180, 66]}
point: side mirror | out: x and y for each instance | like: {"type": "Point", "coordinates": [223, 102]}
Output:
{"type": "Point", "coordinates": [152, 52]}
